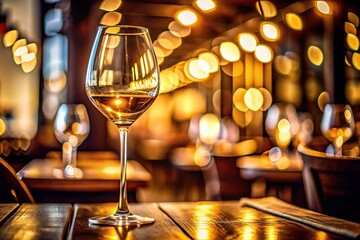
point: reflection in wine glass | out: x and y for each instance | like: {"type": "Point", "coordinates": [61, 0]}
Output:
{"type": "Point", "coordinates": [122, 82]}
{"type": "Point", "coordinates": [71, 127]}
{"type": "Point", "coordinates": [281, 124]}
{"type": "Point", "coordinates": [337, 125]}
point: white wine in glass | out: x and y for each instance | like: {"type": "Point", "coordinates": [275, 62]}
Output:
{"type": "Point", "coordinates": [338, 125]}
{"type": "Point", "coordinates": [122, 81]}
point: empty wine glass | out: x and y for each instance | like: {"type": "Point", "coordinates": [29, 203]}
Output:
{"type": "Point", "coordinates": [71, 127]}
{"type": "Point", "coordinates": [337, 125]}
{"type": "Point", "coordinates": [281, 124]}
{"type": "Point", "coordinates": [122, 81]}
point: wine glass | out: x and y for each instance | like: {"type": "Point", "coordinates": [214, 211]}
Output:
{"type": "Point", "coordinates": [122, 81]}
{"type": "Point", "coordinates": [281, 124]}
{"type": "Point", "coordinates": [337, 125]}
{"type": "Point", "coordinates": [72, 126]}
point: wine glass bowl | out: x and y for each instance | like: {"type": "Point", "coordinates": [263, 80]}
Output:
{"type": "Point", "coordinates": [281, 124]}
{"type": "Point", "coordinates": [122, 82]}
{"type": "Point", "coordinates": [71, 126]}
{"type": "Point", "coordinates": [337, 125]}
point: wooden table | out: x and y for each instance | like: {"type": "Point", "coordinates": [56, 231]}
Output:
{"type": "Point", "coordinates": [99, 181]}
{"type": "Point", "coordinates": [285, 174]}
{"type": "Point", "coordinates": [181, 220]}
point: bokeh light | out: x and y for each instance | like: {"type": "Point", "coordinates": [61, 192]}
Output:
{"type": "Point", "coordinates": [186, 17]}
{"type": "Point", "coordinates": [247, 41]}
{"type": "Point", "coordinates": [315, 55]}
{"type": "Point", "coordinates": [229, 51]}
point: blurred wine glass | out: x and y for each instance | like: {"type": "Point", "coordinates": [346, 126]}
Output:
{"type": "Point", "coordinates": [281, 125]}
{"type": "Point", "coordinates": [338, 126]}
{"type": "Point", "coordinates": [71, 127]}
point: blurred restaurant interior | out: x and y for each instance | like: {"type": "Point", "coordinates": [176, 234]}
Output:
{"type": "Point", "coordinates": [227, 69]}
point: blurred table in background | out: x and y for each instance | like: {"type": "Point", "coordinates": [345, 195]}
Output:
{"type": "Point", "coordinates": [99, 182]}
{"type": "Point", "coordinates": [282, 178]}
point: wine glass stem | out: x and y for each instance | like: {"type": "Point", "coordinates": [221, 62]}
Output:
{"type": "Point", "coordinates": [123, 207]}
{"type": "Point", "coordinates": [74, 156]}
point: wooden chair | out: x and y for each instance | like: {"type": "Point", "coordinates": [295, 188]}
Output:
{"type": "Point", "coordinates": [12, 188]}
{"type": "Point", "coordinates": [232, 186]}
{"type": "Point", "coordinates": [332, 184]}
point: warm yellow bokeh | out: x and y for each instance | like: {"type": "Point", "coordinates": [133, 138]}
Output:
{"type": "Point", "coordinates": [111, 18]}
{"type": "Point", "coordinates": [211, 59]}
{"type": "Point", "coordinates": [110, 5]}
{"type": "Point", "coordinates": [10, 37]}
{"type": "Point", "coordinates": [253, 99]}
{"type": "Point", "coordinates": [267, 8]}
{"type": "Point", "coordinates": [263, 53]}
{"type": "Point", "coordinates": [247, 41]}
{"type": "Point", "coordinates": [230, 51]}
{"type": "Point", "coordinates": [206, 5]}
{"type": "Point", "coordinates": [352, 41]}
{"type": "Point", "coordinates": [186, 17]}
{"type": "Point", "coordinates": [270, 31]}
{"type": "Point", "coordinates": [294, 21]}
{"type": "Point", "coordinates": [353, 18]}
{"type": "Point", "coordinates": [315, 55]}
{"type": "Point", "coordinates": [323, 7]}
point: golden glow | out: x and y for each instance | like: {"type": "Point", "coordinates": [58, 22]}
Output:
{"type": "Point", "coordinates": [196, 71]}
{"type": "Point", "coordinates": [243, 119]}
{"type": "Point", "coordinates": [2, 126]}
{"type": "Point", "coordinates": [350, 28]}
{"type": "Point", "coordinates": [247, 41]}
{"type": "Point", "coordinates": [212, 61]}
{"type": "Point", "coordinates": [27, 57]}
{"type": "Point", "coordinates": [111, 18]}
{"type": "Point", "coordinates": [238, 99]}
{"type": "Point", "coordinates": [32, 48]}
{"type": "Point", "coordinates": [283, 126]}
{"type": "Point", "coordinates": [192, 102]}
{"type": "Point", "coordinates": [229, 51]}
{"type": "Point", "coordinates": [186, 17]}
{"type": "Point", "coordinates": [168, 40]}
{"type": "Point", "coordinates": [356, 60]}
{"type": "Point", "coordinates": [263, 53]}
{"type": "Point", "coordinates": [20, 51]}
{"type": "Point", "coordinates": [267, 98]}
{"type": "Point", "coordinates": [110, 5]}
{"type": "Point", "coordinates": [315, 55]}
{"type": "Point", "coordinates": [179, 30]}
{"type": "Point", "coordinates": [269, 31]}
{"type": "Point", "coordinates": [209, 128]}
{"type": "Point", "coordinates": [323, 7]}
{"type": "Point", "coordinates": [282, 64]}
{"type": "Point", "coordinates": [253, 99]}
{"type": "Point", "coordinates": [19, 43]}
{"type": "Point", "coordinates": [206, 5]}
{"type": "Point", "coordinates": [323, 99]}
{"type": "Point", "coordinates": [352, 41]}
{"type": "Point", "coordinates": [112, 41]}
{"type": "Point", "coordinates": [112, 30]}
{"type": "Point", "coordinates": [267, 8]}
{"type": "Point", "coordinates": [353, 18]}
{"type": "Point", "coordinates": [10, 37]}
{"type": "Point", "coordinates": [348, 115]}
{"type": "Point", "coordinates": [29, 65]}
{"type": "Point", "coordinates": [202, 156]}
{"type": "Point", "coordinates": [294, 21]}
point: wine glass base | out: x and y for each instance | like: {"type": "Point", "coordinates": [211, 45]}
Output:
{"type": "Point", "coordinates": [121, 220]}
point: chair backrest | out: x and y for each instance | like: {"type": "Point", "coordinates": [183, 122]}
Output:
{"type": "Point", "coordinates": [12, 188]}
{"type": "Point", "coordinates": [232, 186]}
{"type": "Point", "coordinates": [332, 184]}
